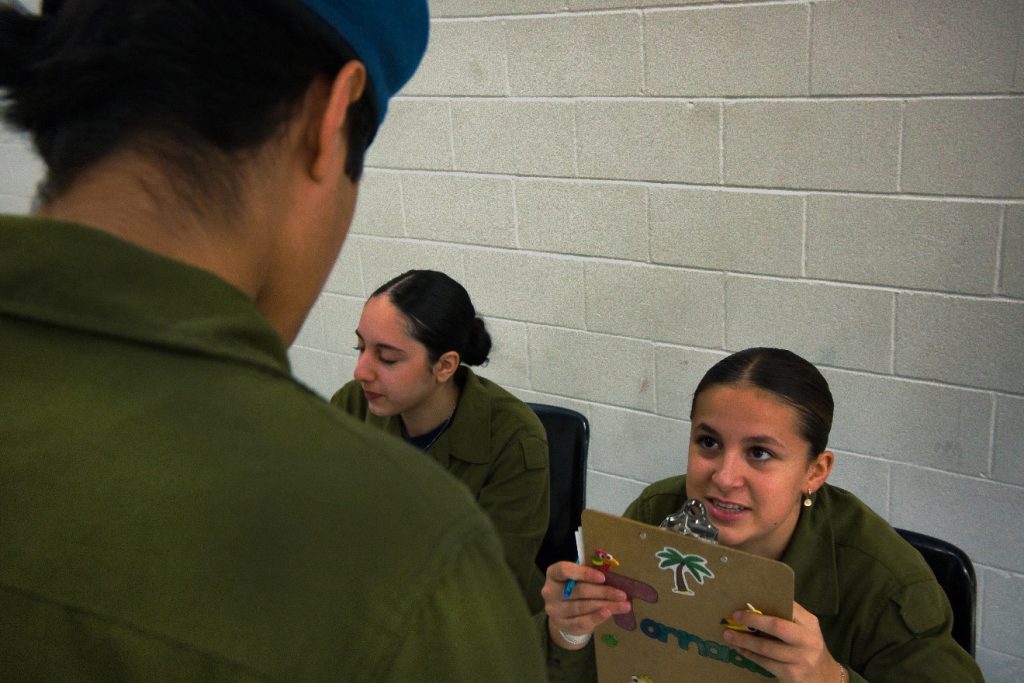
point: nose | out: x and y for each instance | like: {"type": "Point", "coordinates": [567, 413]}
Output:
{"type": "Point", "coordinates": [363, 371]}
{"type": "Point", "coordinates": [728, 472]}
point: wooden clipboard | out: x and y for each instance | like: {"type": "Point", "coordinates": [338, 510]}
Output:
{"type": "Point", "coordinates": [682, 589]}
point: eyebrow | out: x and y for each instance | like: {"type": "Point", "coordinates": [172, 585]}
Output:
{"type": "Point", "coordinates": [707, 428]}
{"type": "Point", "coordinates": [756, 439]}
{"type": "Point", "coordinates": [385, 347]}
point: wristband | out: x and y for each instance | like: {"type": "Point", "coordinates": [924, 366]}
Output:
{"type": "Point", "coordinates": [575, 640]}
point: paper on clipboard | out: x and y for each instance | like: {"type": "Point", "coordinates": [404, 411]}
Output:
{"type": "Point", "coordinates": [682, 590]}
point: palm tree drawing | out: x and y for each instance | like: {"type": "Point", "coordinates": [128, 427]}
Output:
{"type": "Point", "coordinates": [694, 565]}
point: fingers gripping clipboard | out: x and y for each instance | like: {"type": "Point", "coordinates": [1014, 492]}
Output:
{"type": "Point", "coordinates": [682, 590]}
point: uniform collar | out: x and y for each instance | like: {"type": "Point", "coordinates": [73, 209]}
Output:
{"type": "Point", "coordinates": [812, 555]}
{"type": "Point", "coordinates": [468, 437]}
{"type": "Point", "coordinates": [101, 284]}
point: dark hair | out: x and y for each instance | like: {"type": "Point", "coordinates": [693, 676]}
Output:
{"type": "Point", "coordinates": [786, 375]}
{"type": "Point", "coordinates": [194, 84]}
{"type": "Point", "coordinates": [440, 315]}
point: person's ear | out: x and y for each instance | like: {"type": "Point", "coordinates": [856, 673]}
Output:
{"type": "Point", "coordinates": [446, 366]}
{"type": "Point", "coordinates": [331, 149]}
{"type": "Point", "coordinates": [820, 469]}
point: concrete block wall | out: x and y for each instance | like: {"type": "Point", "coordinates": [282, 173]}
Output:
{"type": "Point", "coordinates": [632, 189]}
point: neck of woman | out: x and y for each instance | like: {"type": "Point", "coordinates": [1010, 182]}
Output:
{"type": "Point", "coordinates": [431, 413]}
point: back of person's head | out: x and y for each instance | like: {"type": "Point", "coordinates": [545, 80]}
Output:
{"type": "Point", "coordinates": [193, 84]}
{"type": "Point", "coordinates": [439, 314]}
{"type": "Point", "coordinates": [786, 375]}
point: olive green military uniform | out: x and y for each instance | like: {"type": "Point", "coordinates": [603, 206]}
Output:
{"type": "Point", "coordinates": [497, 447]}
{"type": "Point", "coordinates": [881, 611]}
{"type": "Point", "coordinates": [173, 505]}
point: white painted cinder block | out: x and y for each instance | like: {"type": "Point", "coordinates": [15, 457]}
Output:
{"type": "Point", "coordinates": [330, 325]}
{"type": "Point", "coordinates": [509, 363]}
{"type": "Point", "coordinates": [379, 205]}
{"type": "Point", "coordinates": [346, 277]}
{"type": "Point", "coordinates": [997, 666]}
{"type": "Point", "coordinates": [311, 333]}
{"type": "Point", "coordinates": [457, 208]}
{"type": "Point", "coordinates": [678, 371]}
{"type": "Point", "coordinates": [415, 134]}
{"type": "Point", "coordinates": [1008, 454]}
{"type": "Point", "coordinates": [533, 137]}
{"type": "Point", "coordinates": [867, 478]}
{"type": "Point", "coordinates": [611, 494]}
{"type": "Point", "coordinates": [1002, 601]}
{"type": "Point", "coordinates": [527, 287]}
{"type": "Point", "coordinates": [1018, 82]}
{"type": "Point", "coordinates": [944, 246]}
{"type": "Point", "coordinates": [15, 205]}
{"type": "Point", "coordinates": [383, 259]}
{"type": "Point", "coordinates": [338, 317]}
{"type": "Point", "coordinates": [579, 55]}
{"type": "Point", "coordinates": [12, 136]}
{"type": "Point", "coordinates": [321, 371]}
{"type": "Point", "coordinates": [638, 445]}
{"type": "Point", "coordinates": [913, 46]}
{"type": "Point", "coordinates": [655, 302]}
{"type": "Point", "coordinates": [962, 341]}
{"type": "Point", "coordinates": [911, 422]}
{"type": "Point", "coordinates": [830, 325]}
{"type": "Point", "coordinates": [979, 516]}
{"type": "Point", "coordinates": [826, 145]}
{"type": "Point", "coordinates": [482, 135]}
{"type": "Point", "coordinates": [752, 232]}
{"type": "Point", "coordinates": [742, 51]}
{"type": "Point", "coordinates": [964, 146]}
{"type": "Point", "coordinates": [612, 4]}
{"type": "Point", "coordinates": [587, 218]}
{"type": "Point", "coordinates": [593, 367]}
{"type": "Point", "coordinates": [470, 8]}
{"type": "Point", "coordinates": [531, 396]}
{"type": "Point", "coordinates": [1011, 271]}
{"type": "Point", "coordinates": [463, 58]}
{"type": "Point", "coordinates": [666, 140]}
{"type": "Point", "coordinates": [21, 170]}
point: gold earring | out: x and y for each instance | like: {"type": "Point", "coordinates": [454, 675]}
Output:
{"type": "Point", "coordinates": [807, 499]}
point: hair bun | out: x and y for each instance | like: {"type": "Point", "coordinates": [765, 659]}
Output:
{"type": "Point", "coordinates": [478, 344]}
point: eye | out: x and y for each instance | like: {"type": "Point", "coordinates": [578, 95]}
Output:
{"type": "Point", "coordinates": [359, 348]}
{"type": "Point", "coordinates": [704, 441]}
{"type": "Point", "coordinates": [388, 356]}
{"type": "Point", "coordinates": [760, 454]}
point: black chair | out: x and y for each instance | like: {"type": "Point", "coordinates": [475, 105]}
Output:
{"type": "Point", "coordinates": [955, 573]}
{"type": "Point", "coordinates": [568, 440]}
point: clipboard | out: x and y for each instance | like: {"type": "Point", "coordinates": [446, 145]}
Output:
{"type": "Point", "coordinates": [682, 590]}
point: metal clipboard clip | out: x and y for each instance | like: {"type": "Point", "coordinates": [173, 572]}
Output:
{"type": "Point", "coordinates": [692, 520]}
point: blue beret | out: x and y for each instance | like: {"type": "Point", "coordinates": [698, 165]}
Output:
{"type": "Point", "coordinates": [389, 36]}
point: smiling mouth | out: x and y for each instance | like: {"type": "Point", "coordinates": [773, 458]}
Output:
{"type": "Point", "coordinates": [728, 508]}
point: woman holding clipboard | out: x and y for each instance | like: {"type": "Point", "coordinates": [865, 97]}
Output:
{"type": "Point", "coordinates": [867, 606]}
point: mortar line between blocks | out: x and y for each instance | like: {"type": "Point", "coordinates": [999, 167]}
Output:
{"type": "Point", "coordinates": [1000, 236]}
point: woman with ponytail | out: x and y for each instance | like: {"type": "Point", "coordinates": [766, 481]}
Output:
{"type": "Point", "coordinates": [416, 336]}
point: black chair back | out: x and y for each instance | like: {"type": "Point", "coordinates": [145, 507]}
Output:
{"type": "Point", "coordinates": [568, 440]}
{"type": "Point", "coordinates": [955, 573]}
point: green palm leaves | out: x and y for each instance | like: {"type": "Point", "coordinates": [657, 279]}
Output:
{"type": "Point", "coordinates": [681, 565]}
